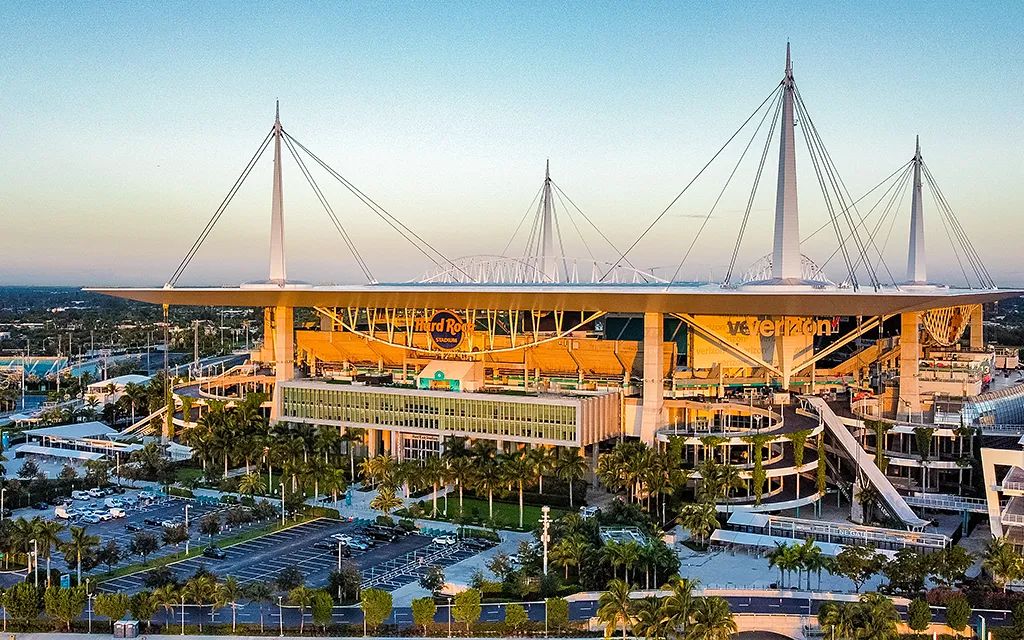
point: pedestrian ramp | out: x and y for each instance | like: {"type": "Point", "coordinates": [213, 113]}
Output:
{"type": "Point", "coordinates": [897, 504]}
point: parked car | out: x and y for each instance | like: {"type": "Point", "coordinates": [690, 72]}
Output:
{"type": "Point", "coordinates": [170, 524]}
{"type": "Point", "coordinates": [111, 503]}
{"type": "Point", "coordinates": [146, 495]}
{"type": "Point", "coordinates": [380, 533]}
{"type": "Point", "coordinates": [103, 515]}
{"type": "Point", "coordinates": [41, 506]}
{"type": "Point", "coordinates": [445, 540]}
{"type": "Point", "coordinates": [214, 552]}
{"type": "Point", "coordinates": [358, 545]}
{"type": "Point", "coordinates": [96, 492]}
{"type": "Point", "coordinates": [80, 495]}
{"type": "Point", "coordinates": [156, 522]}
{"type": "Point", "coordinates": [128, 526]}
{"type": "Point", "coordinates": [344, 537]}
{"type": "Point", "coordinates": [327, 545]}
{"type": "Point", "coordinates": [91, 518]}
{"type": "Point", "coordinates": [115, 489]}
{"type": "Point", "coordinates": [116, 512]}
{"type": "Point", "coordinates": [370, 542]}
{"type": "Point", "coordinates": [477, 544]}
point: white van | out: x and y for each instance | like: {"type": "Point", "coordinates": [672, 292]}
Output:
{"type": "Point", "coordinates": [113, 503]}
{"type": "Point", "coordinates": [62, 512]}
{"type": "Point", "coordinates": [116, 512]}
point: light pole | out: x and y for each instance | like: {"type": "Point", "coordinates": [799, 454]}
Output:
{"type": "Point", "coordinates": [280, 615]}
{"type": "Point", "coordinates": [545, 538]}
{"type": "Point", "coordinates": [188, 534]}
{"type": "Point", "coordinates": [2, 492]}
{"type": "Point", "coordinates": [545, 617]}
{"type": "Point", "coordinates": [282, 504]}
{"type": "Point", "coordinates": [449, 616]}
{"type": "Point", "coordinates": [90, 613]}
{"type": "Point", "coordinates": [182, 615]}
{"type": "Point", "coordinates": [35, 560]}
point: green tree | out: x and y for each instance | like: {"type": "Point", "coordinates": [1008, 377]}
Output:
{"type": "Point", "coordinates": [701, 519]}
{"type": "Point", "coordinates": [23, 601]}
{"type": "Point", "coordinates": [143, 606]}
{"type": "Point", "coordinates": [423, 612]}
{"type": "Point", "coordinates": [839, 619]}
{"type": "Point", "coordinates": [614, 607]}
{"type": "Point", "coordinates": [260, 593]}
{"type": "Point", "coordinates": [878, 617]}
{"type": "Point", "coordinates": [712, 620]}
{"type": "Point", "coordinates": [289, 578]}
{"type": "Point", "coordinates": [515, 616]}
{"type": "Point", "coordinates": [433, 580]}
{"type": "Point", "coordinates": [467, 607]}
{"type": "Point", "coordinates": [1000, 560]}
{"type": "Point", "coordinates": [65, 604]}
{"type": "Point", "coordinates": [919, 614]}
{"type": "Point", "coordinates": [175, 535]}
{"type": "Point", "coordinates": [958, 613]}
{"type": "Point", "coordinates": [201, 591]}
{"type": "Point", "coordinates": [143, 544]}
{"type": "Point", "coordinates": [112, 606]}
{"type": "Point", "coordinates": [517, 468]}
{"type": "Point", "coordinates": [376, 605]}
{"type": "Point", "coordinates": [229, 593]}
{"type": "Point", "coordinates": [322, 608]}
{"type": "Point", "coordinates": [109, 554]}
{"type": "Point", "coordinates": [951, 564]}
{"type": "Point", "coordinates": [386, 500]}
{"type": "Point", "coordinates": [858, 563]}
{"type": "Point", "coordinates": [301, 597]}
{"type": "Point", "coordinates": [570, 466]}
{"type": "Point", "coordinates": [557, 610]}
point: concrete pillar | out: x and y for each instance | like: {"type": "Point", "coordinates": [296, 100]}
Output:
{"type": "Point", "coordinates": [372, 440]}
{"type": "Point", "coordinates": [282, 336]}
{"type": "Point", "coordinates": [977, 329]}
{"type": "Point", "coordinates": [386, 440]}
{"type": "Point", "coordinates": [910, 355]}
{"type": "Point", "coordinates": [594, 449]}
{"type": "Point", "coordinates": [654, 390]}
{"type": "Point", "coordinates": [396, 445]}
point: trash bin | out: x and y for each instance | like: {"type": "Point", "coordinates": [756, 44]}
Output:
{"type": "Point", "coordinates": [126, 629]}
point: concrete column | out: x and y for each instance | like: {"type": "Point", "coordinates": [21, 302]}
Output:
{"type": "Point", "coordinates": [977, 329]}
{"type": "Point", "coordinates": [593, 464]}
{"type": "Point", "coordinates": [372, 439]}
{"type": "Point", "coordinates": [386, 440]}
{"type": "Point", "coordinates": [282, 334]}
{"type": "Point", "coordinates": [654, 390]}
{"type": "Point", "coordinates": [910, 355]}
{"type": "Point", "coordinates": [397, 441]}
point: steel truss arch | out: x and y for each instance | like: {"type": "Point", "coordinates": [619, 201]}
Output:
{"type": "Point", "coordinates": [762, 270]}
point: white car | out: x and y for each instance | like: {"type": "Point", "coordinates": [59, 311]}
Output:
{"type": "Point", "coordinates": [445, 540]}
{"type": "Point", "coordinates": [116, 512]}
{"type": "Point", "coordinates": [146, 495]}
{"type": "Point", "coordinates": [113, 503]}
{"type": "Point", "coordinates": [91, 518]}
{"type": "Point", "coordinates": [96, 492]}
{"type": "Point", "coordinates": [80, 495]}
{"type": "Point", "coordinates": [170, 524]}
{"type": "Point", "coordinates": [588, 512]}
{"type": "Point", "coordinates": [103, 515]}
{"type": "Point", "coordinates": [343, 537]}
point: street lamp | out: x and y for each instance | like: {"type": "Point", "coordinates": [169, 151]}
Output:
{"type": "Point", "coordinates": [35, 560]}
{"type": "Point", "coordinates": [280, 615]}
{"type": "Point", "coordinates": [282, 504]}
{"type": "Point", "coordinates": [545, 538]}
{"type": "Point", "coordinates": [90, 613]}
{"type": "Point", "coordinates": [2, 492]}
{"type": "Point", "coordinates": [449, 617]}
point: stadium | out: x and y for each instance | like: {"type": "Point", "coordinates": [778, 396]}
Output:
{"type": "Point", "coordinates": [786, 374]}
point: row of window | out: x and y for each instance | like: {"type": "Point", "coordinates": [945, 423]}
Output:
{"type": "Point", "coordinates": [470, 414]}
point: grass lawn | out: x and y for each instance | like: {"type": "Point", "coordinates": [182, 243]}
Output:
{"type": "Point", "coordinates": [475, 510]}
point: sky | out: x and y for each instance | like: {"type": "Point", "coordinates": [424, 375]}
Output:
{"type": "Point", "coordinates": [125, 125]}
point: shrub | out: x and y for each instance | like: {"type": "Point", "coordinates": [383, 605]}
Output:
{"type": "Point", "coordinates": [406, 524]}
{"type": "Point", "coordinates": [919, 616]}
{"type": "Point", "coordinates": [229, 499]}
{"type": "Point", "coordinates": [958, 613]}
{"type": "Point", "coordinates": [181, 493]}
{"type": "Point", "coordinates": [423, 611]}
{"type": "Point", "coordinates": [483, 534]}
{"type": "Point", "coordinates": [557, 612]}
{"type": "Point", "coordinates": [385, 521]}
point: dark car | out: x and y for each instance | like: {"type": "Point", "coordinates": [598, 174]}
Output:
{"type": "Point", "coordinates": [215, 553]}
{"type": "Point", "coordinates": [327, 545]}
{"type": "Point", "coordinates": [40, 506]}
{"type": "Point", "coordinates": [156, 522]}
{"type": "Point", "coordinates": [477, 544]}
{"type": "Point", "coordinates": [132, 527]}
{"type": "Point", "coordinates": [380, 533]}
{"type": "Point", "coordinates": [115, 489]}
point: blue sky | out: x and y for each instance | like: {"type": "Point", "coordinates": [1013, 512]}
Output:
{"type": "Point", "coordinates": [126, 123]}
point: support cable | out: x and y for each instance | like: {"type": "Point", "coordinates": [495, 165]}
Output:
{"type": "Point", "coordinates": [575, 226]}
{"type": "Point", "coordinates": [721, 193]}
{"type": "Point", "coordinates": [753, 189]}
{"type": "Point", "coordinates": [330, 212]}
{"type": "Point", "coordinates": [219, 211]}
{"type": "Point", "coordinates": [688, 185]}
{"type": "Point", "coordinates": [521, 221]}
{"type": "Point", "coordinates": [408, 234]}
{"type": "Point", "coordinates": [869, 192]}
{"type": "Point", "coordinates": [590, 222]}
{"type": "Point", "coordinates": [982, 271]}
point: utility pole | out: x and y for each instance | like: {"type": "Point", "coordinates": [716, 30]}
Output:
{"type": "Point", "coordinates": [545, 537]}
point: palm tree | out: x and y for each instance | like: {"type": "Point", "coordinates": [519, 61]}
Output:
{"type": "Point", "coordinates": [251, 484]}
{"type": "Point", "coordinates": [570, 466]}
{"type": "Point", "coordinates": [336, 482]}
{"type": "Point", "coordinates": [614, 608]}
{"type": "Point", "coordinates": [701, 519]}
{"type": "Point", "coordinates": [462, 471]}
{"type": "Point", "coordinates": [301, 596]}
{"type": "Point", "coordinates": [325, 440]}
{"type": "Point", "coordinates": [200, 591]}
{"type": "Point", "coordinates": [650, 621]}
{"type": "Point", "coordinates": [80, 542]}
{"type": "Point", "coordinates": [386, 501]}
{"type": "Point", "coordinates": [543, 461]}
{"type": "Point", "coordinates": [879, 617]}
{"type": "Point", "coordinates": [351, 436]}
{"type": "Point", "coordinates": [839, 619]}
{"type": "Point", "coordinates": [47, 536]}
{"type": "Point", "coordinates": [777, 558]}
{"type": "Point", "coordinates": [229, 592]}
{"type": "Point", "coordinates": [135, 393]}
{"type": "Point", "coordinates": [434, 471]}
{"type": "Point", "coordinates": [712, 620]}
{"type": "Point", "coordinates": [569, 552]}
{"type": "Point", "coordinates": [1002, 562]}
{"type": "Point", "coordinates": [630, 556]}
{"type": "Point", "coordinates": [517, 468]}
{"type": "Point", "coordinates": [814, 560]}
{"type": "Point", "coordinates": [259, 592]}
{"type": "Point", "coordinates": [679, 604]}
{"type": "Point", "coordinates": [167, 597]}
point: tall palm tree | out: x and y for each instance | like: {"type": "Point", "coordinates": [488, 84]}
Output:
{"type": "Point", "coordinates": [701, 519]}
{"type": "Point", "coordinates": [229, 593]}
{"type": "Point", "coordinates": [167, 597]}
{"type": "Point", "coordinates": [879, 617]}
{"type": "Point", "coordinates": [325, 441]}
{"type": "Point", "coordinates": [301, 596]}
{"type": "Point", "coordinates": [650, 619]}
{"type": "Point", "coordinates": [351, 436]}
{"type": "Point", "coordinates": [201, 591]}
{"type": "Point", "coordinates": [570, 466]}
{"type": "Point", "coordinates": [630, 557]}
{"type": "Point", "coordinates": [251, 484]}
{"type": "Point", "coordinates": [543, 461]}
{"type": "Point", "coordinates": [462, 472]}
{"type": "Point", "coordinates": [777, 558]}
{"type": "Point", "coordinates": [80, 542]}
{"type": "Point", "coordinates": [434, 471]}
{"type": "Point", "coordinates": [615, 607]}
{"type": "Point", "coordinates": [336, 482]}
{"type": "Point", "coordinates": [679, 604]}
{"type": "Point", "coordinates": [517, 468]}
{"type": "Point", "coordinates": [840, 620]}
{"type": "Point", "coordinates": [569, 552]}
{"type": "Point", "coordinates": [47, 536]}
{"type": "Point", "coordinates": [489, 478]}
{"type": "Point", "coordinates": [814, 560]}
{"type": "Point", "coordinates": [259, 592]}
{"type": "Point", "coordinates": [712, 620]}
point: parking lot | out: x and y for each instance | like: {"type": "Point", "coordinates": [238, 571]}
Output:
{"type": "Point", "coordinates": [389, 565]}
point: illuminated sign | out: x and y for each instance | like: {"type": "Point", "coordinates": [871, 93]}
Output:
{"type": "Point", "coordinates": [447, 330]}
{"type": "Point", "coordinates": [771, 327]}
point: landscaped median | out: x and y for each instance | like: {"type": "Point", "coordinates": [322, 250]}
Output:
{"type": "Point", "coordinates": [475, 512]}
